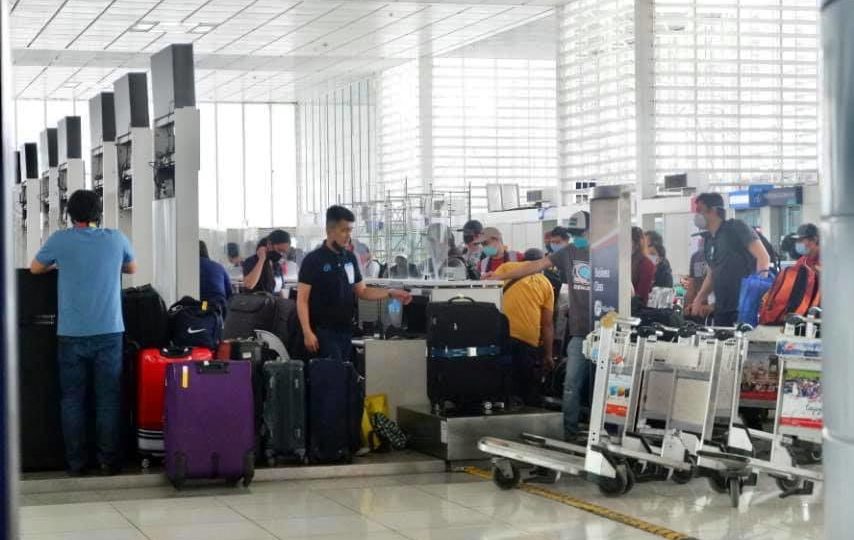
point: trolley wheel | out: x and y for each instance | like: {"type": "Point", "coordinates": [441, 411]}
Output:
{"type": "Point", "coordinates": [718, 483]}
{"type": "Point", "coordinates": [145, 463]}
{"type": "Point", "coordinates": [682, 477]}
{"type": "Point", "coordinates": [614, 487]}
{"type": "Point", "coordinates": [787, 485]}
{"type": "Point", "coordinates": [630, 479]}
{"type": "Point", "coordinates": [734, 491]}
{"type": "Point", "coordinates": [506, 482]}
{"type": "Point", "coordinates": [815, 454]}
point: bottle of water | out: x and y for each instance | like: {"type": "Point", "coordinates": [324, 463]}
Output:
{"type": "Point", "coordinates": [395, 312]}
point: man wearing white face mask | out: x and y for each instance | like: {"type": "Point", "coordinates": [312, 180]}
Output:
{"type": "Point", "coordinates": [733, 252]}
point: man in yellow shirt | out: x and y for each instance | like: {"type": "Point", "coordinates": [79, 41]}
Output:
{"type": "Point", "coordinates": [528, 304]}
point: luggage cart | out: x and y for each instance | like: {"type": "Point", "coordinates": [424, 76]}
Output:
{"type": "Point", "coordinates": [680, 387]}
{"type": "Point", "coordinates": [614, 477]}
{"type": "Point", "coordinates": [798, 419]}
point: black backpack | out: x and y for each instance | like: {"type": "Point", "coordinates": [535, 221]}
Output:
{"type": "Point", "coordinates": [145, 317]}
{"type": "Point", "coordinates": [772, 253]}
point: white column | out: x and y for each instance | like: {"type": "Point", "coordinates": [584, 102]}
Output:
{"type": "Point", "coordinates": [425, 121]}
{"type": "Point", "coordinates": [837, 289]}
{"type": "Point", "coordinates": [644, 94]}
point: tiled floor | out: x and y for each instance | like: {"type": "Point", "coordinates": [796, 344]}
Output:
{"type": "Point", "coordinates": [417, 507]}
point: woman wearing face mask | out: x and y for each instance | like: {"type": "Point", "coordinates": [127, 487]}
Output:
{"type": "Point", "coordinates": [265, 271]}
{"type": "Point", "coordinates": [643, 270]}
{"type": "Point", "coordinates": [658, 255]}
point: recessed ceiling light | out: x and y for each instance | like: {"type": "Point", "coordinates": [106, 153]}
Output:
{"type": "Point", "coordinates": [202, 28]}
{"type": "Point", "coordinates": [143, 26]}
{"type": "Point", "coordinates": [70, 84]}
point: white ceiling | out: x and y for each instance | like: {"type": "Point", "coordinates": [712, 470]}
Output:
{"type": "Point", "coordinates": [258, 50]}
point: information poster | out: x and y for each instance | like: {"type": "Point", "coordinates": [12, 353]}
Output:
{"type": "Point", "coordinates": [802, 403]}
{"type": "Point", "coordinates": [605, 288]}
{"type": "Point", "coordinates": [619, 388]}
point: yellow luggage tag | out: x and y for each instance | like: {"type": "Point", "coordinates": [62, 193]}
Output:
{"type": "Point", "coordinates": [185, 376]}
{"type": "Point", "coordinates": [204, 305]}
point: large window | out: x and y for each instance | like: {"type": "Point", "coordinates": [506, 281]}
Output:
{"type": "Point", "coordinates": [398, 117]}
{"type": "Point", "coordinates": [493, 122]}
{"type": "Point", "coordinates": [596, 102]}
{"type": "Point", "coordinates": [736, 89]}
{"type": "Point", "coordinates": [337, 147]}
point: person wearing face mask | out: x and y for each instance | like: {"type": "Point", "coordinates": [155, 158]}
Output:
{"type": "Point", "coordinates": [329, 282]}
{"type": "Point", "coordinates": [558, 239]}
{"type": "Point", "coordinates": [495, 252]}
{"type": "Point", "coordinates": [266, 270]}
{"type": "Point", "coordinates": [733, 251]}
{"type": "Point", "coordinates": [472, 250]}
{"type": "Point", "coordinates": [643, 270]}
{"type": "Point", "coordinates": [573, 264]}
{"type": "Point", "coordinates": [807, 246]}
{"type": "Point", "coordinates": [658, 255]}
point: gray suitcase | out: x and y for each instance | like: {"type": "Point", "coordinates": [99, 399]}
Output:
{"type": "Point", "coordinates": [284, 431]}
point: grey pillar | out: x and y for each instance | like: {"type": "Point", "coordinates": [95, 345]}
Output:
{"type": "Point", "coordinates": [837, 260]}
{"type": "Point", "coordinates": [9, 449]}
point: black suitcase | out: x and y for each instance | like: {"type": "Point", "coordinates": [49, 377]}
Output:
{"type": "Point", "coordinates": [357, 399]}
{"type": "Point", "coordinates": [284, 429]}
{"type": "Point", "coordinates": [42, 447]}
{"type": "Point", "coordinates": [249, 312]}
{"type": "Point", "coordinates": [329, 381]}
{"type": "Point", "coordinates": [468, 358]}
{"type": "Point", "coordinates": [145, 317]}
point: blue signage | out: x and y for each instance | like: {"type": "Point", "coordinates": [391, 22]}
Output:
{"type": "Point", "coordinates": [752, 197]}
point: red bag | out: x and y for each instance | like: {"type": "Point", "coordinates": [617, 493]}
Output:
{"type": "Point", "coordinates": [795, 290]}
{"type": "Point", "coordinates": [151, 380]}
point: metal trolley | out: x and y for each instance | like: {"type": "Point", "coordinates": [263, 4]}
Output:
{"type": "Point", "coordinates": [797, 419]}
{"type": "Point", "coordinates": [638, 379]}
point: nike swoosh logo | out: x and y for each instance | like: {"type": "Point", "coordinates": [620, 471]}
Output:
{"type": "Point", "coordinates": [194, 331]}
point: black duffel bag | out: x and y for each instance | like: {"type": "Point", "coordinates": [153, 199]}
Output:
{"type": "Point", "coordinates": [195, 324]}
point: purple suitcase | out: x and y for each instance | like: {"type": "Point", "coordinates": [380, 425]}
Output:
{"type": "Point", "coordinates": [209, 426]}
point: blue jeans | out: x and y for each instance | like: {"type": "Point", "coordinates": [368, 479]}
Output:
{"type": "Point", "coordinates": [335, 343]}
{"type": "Point", "coordinates": [102, 355]}
{"type": "Point", "coordinates": [576, 385]}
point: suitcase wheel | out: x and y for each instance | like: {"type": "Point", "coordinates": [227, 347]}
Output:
{"type": "Point", "coordinates": [180, 471]}
{"type": "Point", "coordinates": [248, 468]}
{"type": "Point", "coordinates": [145, 463]}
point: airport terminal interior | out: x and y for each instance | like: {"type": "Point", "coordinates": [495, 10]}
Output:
{"type": "Point", "coordinates": [426, 269]}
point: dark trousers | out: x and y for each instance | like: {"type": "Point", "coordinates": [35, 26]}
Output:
{"type": "Point", "coordinates": [727, 318]}
{"type": "Point", "coordinates": [102, 355]}
{"type": "Point", "coordinates": [335, 343]}
{"type": "Point", "coordinates": [527, 371]}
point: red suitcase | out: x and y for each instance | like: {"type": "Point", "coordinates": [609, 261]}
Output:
{"type": "Point", "coordinates": [151, 379]}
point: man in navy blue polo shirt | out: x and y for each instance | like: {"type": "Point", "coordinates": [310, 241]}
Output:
{"type": "Point", "coordinates": [90, 261]}
{"type": "Point", "coordinates": [328, 280]}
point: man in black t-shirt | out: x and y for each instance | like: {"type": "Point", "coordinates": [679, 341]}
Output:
{"type": "Point", "coordinates": [733, 252]}
{"type": "Point", "coordinates": [328, 279]}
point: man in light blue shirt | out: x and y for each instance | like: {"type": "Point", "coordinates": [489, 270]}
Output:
{"type": "Point", "coordinates": [90, 261]}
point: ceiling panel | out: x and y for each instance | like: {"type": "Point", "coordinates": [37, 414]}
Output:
{"type": "Point", "coordinates": [256, 49]}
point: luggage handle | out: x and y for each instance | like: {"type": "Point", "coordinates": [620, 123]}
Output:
{"type": "Point", "coordinates": [212, 367]}
{"type": "Point", "coordinates": [460, 298]}
{"type": "Point", "coordinates": [175, 352]}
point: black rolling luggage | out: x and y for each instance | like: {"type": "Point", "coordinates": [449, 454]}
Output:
{"type": "Point", "coordinates": [330, 396]}
{"type": "Point", "coordinates": [249, 312]}
{"type": "Point", "coordinates": [40, 422]}
{"type": "Point", "coordinates": [284, 429]}
{"type": "Point", "coordinates": [468, 359]}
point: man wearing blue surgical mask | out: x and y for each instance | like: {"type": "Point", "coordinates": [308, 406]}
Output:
{"type": "Point", "coordinates": [807, 246]}
{"type": "Point", "coordinates": [495, 252]}
{"type": "Point", "coordinates": [573, 263]}
{"type": "Point", "coordinates": [558, 239]}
